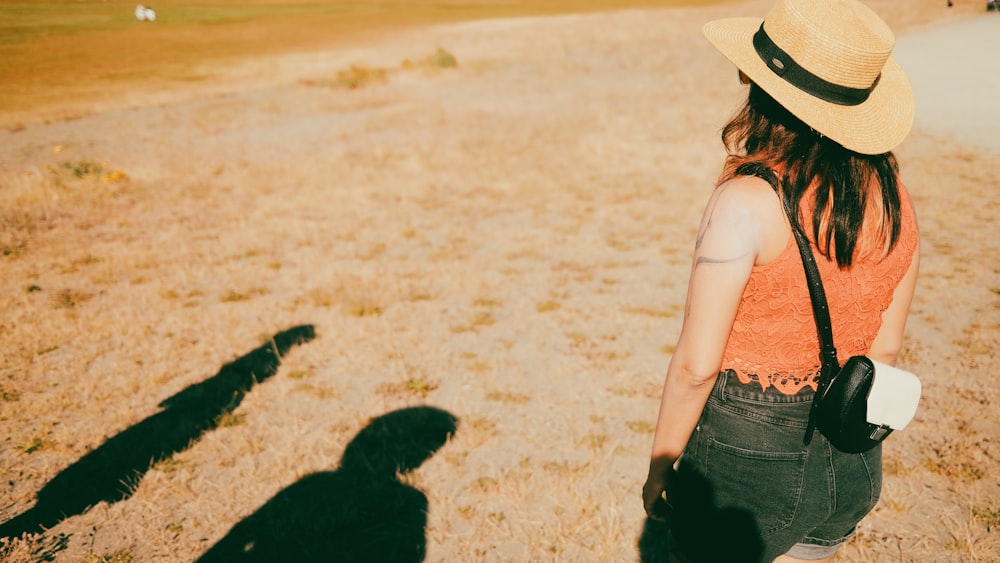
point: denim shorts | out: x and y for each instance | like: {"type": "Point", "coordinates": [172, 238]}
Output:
{"type": "Point", "coordinates": [747, 488]}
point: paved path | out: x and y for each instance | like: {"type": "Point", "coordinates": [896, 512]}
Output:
{"type": "Point", "coordinates": [955, 71]}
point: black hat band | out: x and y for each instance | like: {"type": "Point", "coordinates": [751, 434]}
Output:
{"type": "Point", "coordinates": [782, 64]}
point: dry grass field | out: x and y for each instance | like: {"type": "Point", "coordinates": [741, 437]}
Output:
{"type": "Point", "coordinates": [415, 289]}
{"type": "Point", "coordinates": [72, 54]}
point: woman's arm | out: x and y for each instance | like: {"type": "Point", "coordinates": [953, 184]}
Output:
{"type": "Point", "coordinates": [740, 217]}
{"type": "Point", "coordinates": [889, 340]}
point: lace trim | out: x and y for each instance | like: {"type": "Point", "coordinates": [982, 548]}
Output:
{"type": "Point", "coordinates": [786, 383]}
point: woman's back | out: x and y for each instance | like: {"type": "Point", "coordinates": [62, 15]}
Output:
{"type": "Point", "coordinates": [774, 339]}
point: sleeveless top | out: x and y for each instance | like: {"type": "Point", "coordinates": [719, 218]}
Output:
{"type": "Point", "coordinates": [774, 341]}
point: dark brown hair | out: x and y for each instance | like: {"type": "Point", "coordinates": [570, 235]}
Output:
{"type": "Point", "coordinates": [764, 138]}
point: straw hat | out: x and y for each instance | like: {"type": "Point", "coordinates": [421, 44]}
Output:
{"type": "Point", "coordinates": [828, 62]}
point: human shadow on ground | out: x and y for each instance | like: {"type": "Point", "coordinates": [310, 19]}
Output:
{"type": "Point", "coordinates": [360, 512]}
{"type": "Point", "coordinates": [112, 471]}
{"type": "Point", "coordinates": [711, 533]}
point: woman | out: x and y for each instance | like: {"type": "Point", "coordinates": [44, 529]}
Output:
{"type": "Point", "coordinates": [826, 105]}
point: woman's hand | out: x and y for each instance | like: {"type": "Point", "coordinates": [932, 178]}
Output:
{"type": "Point", "coordinates": [733, 231]}
{"type": "Point", "coordinates": [655, 491]}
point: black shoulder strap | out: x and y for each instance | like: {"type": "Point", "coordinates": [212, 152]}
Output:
{"type": "Point", "coordinates": [821, 311]}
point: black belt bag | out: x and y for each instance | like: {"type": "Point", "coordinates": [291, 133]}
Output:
{"type": "Point", "coordinates": [859, 404]}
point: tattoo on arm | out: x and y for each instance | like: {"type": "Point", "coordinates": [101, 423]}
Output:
{"type": "Point", "coordinates": [707, 260]}
{"type": "Point", "coordinates": [700, 260]}
{"type": "Point", "coordinates": [708, 221]}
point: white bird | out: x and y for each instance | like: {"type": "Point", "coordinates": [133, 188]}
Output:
{"type": "Point", "coordinates": [143, 13]}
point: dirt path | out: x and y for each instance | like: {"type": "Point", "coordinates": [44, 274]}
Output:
{"type": "Point", "coordinates": [955, 71]}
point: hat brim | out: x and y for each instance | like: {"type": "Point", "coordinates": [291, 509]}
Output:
{"type": "Point", "coordinates": [875, 126]}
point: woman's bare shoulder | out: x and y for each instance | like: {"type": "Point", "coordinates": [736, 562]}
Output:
{"type": "Point", "coordinates": [754, 202]}
{"type": "Point", "coordinates": [751, 195]}
{"type": "Point", "coordinates": [749, 189]}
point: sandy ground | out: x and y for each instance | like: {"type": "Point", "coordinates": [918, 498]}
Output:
{"type": "Point", "coordinates": [507, 240]}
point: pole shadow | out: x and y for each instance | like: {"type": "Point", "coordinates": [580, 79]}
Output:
{"type": "Point", "coordinates": [361, 512]}
{"type": "Point", "coordinates": [704, 531]}
{"type": "Point", "coordinates": [112, 471]}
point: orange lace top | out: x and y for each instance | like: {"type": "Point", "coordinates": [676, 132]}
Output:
{"type": "Point", "coordinates": [774, 339]}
